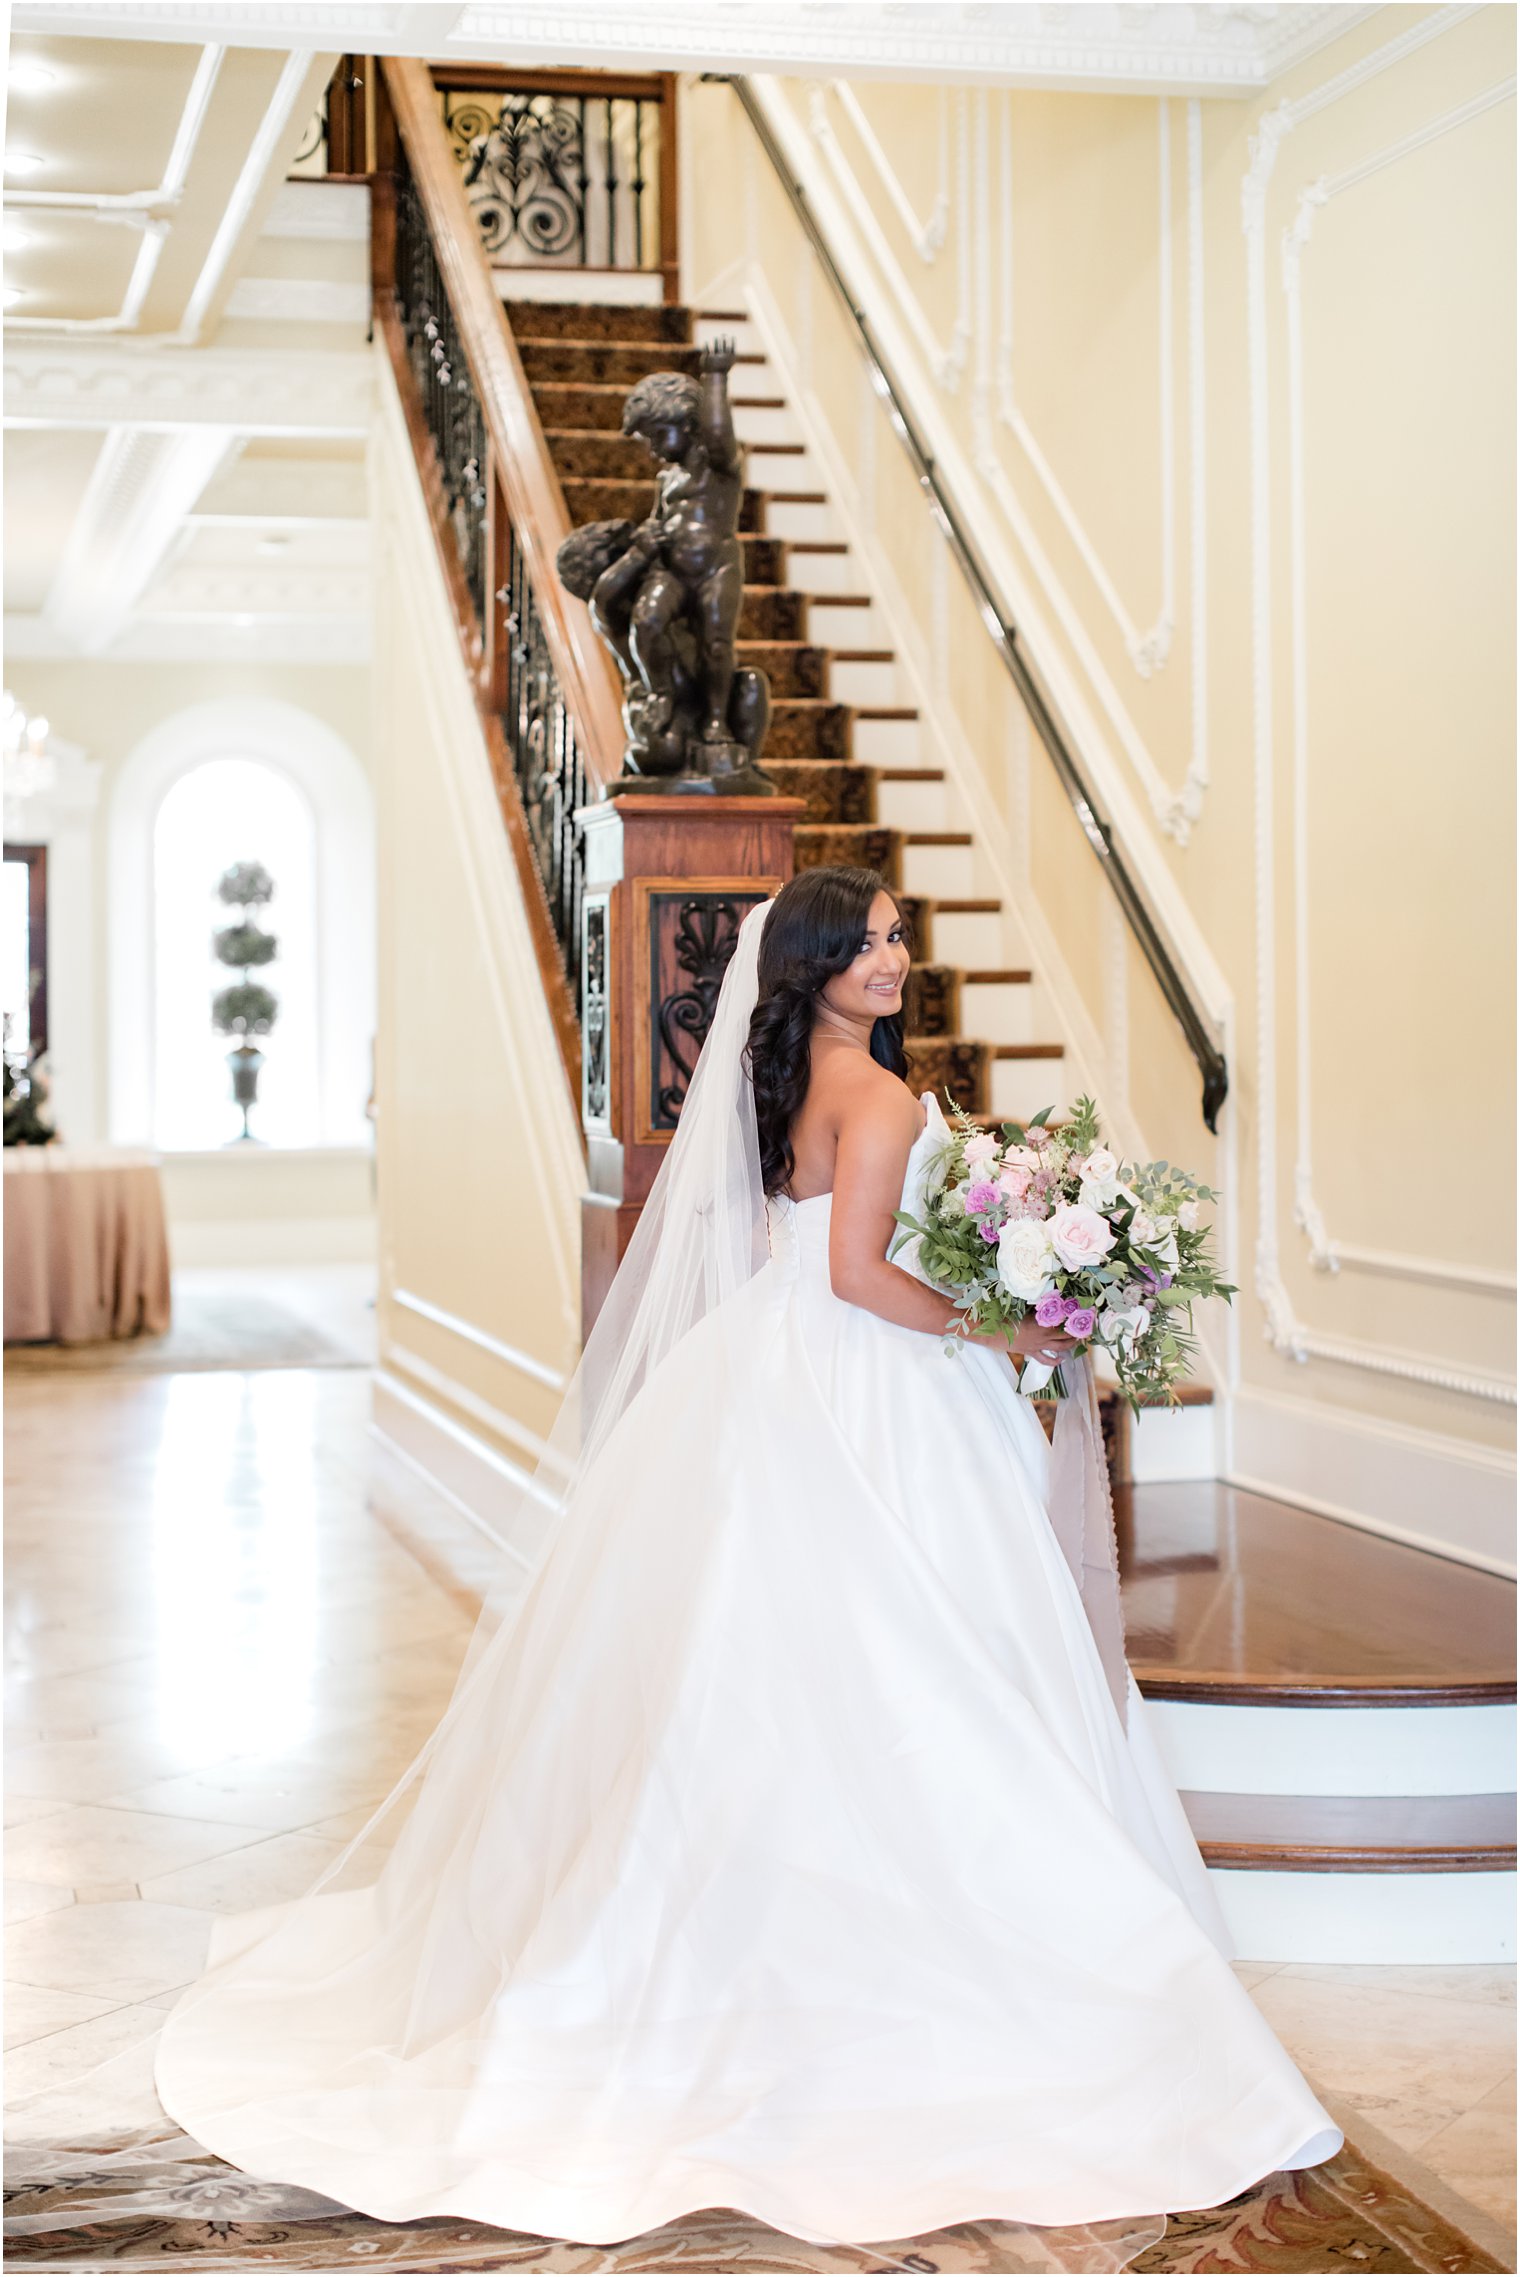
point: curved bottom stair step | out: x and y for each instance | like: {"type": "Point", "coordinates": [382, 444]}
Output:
{"type": "Point", "coordinates": [1355, 1834]}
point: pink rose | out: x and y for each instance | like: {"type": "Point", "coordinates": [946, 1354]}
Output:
{"type": "Point", "coordinates": [1081, 1323]}
{"type": "Point", "coordinates": [982, 1148]}
{"type": "Point", "coordinates": [981, 1198]}
{"type": "Point", "coordinates": [1079, 1236]}
{"type": "Point", "coordinates": [1014, 1180]}
{"type": "Point", "coordinates": [1021, 1158]}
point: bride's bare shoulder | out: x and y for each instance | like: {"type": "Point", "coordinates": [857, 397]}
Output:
{"type": "Point", "coordinates": [853, 1087]}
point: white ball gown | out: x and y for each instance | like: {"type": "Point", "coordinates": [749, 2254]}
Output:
{"type": "Point", "coordinates": [785, 1851]}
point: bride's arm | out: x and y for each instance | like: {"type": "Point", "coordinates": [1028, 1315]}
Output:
{"type": "Point", "coordinates": [878, 1121]}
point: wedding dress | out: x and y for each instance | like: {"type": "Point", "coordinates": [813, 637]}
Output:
{"type": "Point", "coordinates": [783, 1848]}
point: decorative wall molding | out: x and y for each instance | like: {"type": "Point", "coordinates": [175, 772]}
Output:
{"type": "Point", "coordinates": [975, 209]}
{"type": "Point", "coordinates": [1026, 605]}
{"type": "Point", "coordinates": [522, 1363]}
{"type": "Point", "coordinates": [1199, 49]}
{"type": "Point", "coordinates": [1284, 1330]}
{"type": "Point", "coordinates": [148, 210]}
{"type": "Point", "coordinates": [1386, 1476]}
{"type": "Point", "coordinates": [258, 391]}
{"type": "Point", "coordinates": [1324, 1252]}
{"type": "Point", "coordinates": [946, 359]}
{"type": "Point", "coordinates": [926, 237]}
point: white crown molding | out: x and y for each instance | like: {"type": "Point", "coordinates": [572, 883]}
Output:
{"type": "Point", "coordinates": [1097, 44]}
{"type": "Point", "coordinates": [206, 640]}
{"type": "Point", "coordinates": [188, 590]}
{"type": "Point", "coordinates": [256, 391]}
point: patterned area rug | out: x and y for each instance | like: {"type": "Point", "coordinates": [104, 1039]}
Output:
{"type": "Point", "coordinates": [1347, 2214]}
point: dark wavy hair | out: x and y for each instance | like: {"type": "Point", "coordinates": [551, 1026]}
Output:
{"type": "Point", "coordinates": [813, 931]}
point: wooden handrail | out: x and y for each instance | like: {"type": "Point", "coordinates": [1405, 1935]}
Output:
{"type": "Point", "coordinates": [529, 481]}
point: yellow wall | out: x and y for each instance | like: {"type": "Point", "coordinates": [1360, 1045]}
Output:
{"type": "Point", "coordinates": [1117, 396]}
{"type": "Point", "coordinates": [480, 1164]}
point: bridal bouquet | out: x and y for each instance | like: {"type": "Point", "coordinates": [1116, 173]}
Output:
{"type": "Point", "coordinates": [1051, 1222]}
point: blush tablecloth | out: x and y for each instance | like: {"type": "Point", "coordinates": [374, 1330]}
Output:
{"type": "Point", "coordinates": [86, 1250]}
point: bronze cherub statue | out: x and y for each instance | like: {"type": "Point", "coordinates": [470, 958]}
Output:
{"type": "Point", "coordinates": [665, 594]}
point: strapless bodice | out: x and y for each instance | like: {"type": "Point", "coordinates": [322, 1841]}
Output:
{"type": "Point", "coordinates": [799, 1231]}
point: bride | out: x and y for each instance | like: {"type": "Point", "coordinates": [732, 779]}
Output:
{"type": "Point", "coordinates": [784, 1845]}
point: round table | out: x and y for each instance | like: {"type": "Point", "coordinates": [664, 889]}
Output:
{"type": "Point", "coordinates": [86, 1251]}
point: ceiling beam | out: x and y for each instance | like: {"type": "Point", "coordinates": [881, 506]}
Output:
{"type": "Point", "coordinates": [143, 485]}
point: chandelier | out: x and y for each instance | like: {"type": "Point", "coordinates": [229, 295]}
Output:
{"type": "Point", "coordinates": [29, 765]}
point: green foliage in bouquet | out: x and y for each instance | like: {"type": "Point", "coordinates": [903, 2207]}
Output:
{"type": "Point", "coordinates": [1051, 1223]}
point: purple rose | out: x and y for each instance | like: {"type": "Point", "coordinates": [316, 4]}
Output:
{"type": "Point", "coordinates": [1052, 1310]}
{"type": "Point", "coordinates": [981, 1197]}
{"type": "Point", "coordinates": [1081, 1323]}
{"type": "Point", "coordinates": [989, 1232]}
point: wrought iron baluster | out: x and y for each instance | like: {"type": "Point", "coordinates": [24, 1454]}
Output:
{"type": "Point", "coordinates": [611, 191]}
{"type": "Point", "coordinates": [637, 184]}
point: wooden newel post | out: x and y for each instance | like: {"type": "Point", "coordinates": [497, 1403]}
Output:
{"type": "Point", "coordinates": [668, 879]}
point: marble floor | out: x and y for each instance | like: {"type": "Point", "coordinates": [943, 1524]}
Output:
{"type": "Point", "coordinates": [230, 1625]}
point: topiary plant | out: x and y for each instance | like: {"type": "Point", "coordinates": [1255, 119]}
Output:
{"type": "Point", "coordinates": [247, 1008]}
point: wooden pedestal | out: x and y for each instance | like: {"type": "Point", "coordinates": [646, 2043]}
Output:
{"type": "Point", "coordinates": [668, 881]}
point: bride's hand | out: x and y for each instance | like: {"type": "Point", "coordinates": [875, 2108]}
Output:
{"type": "Point", "coordinates": [1032, 1342]}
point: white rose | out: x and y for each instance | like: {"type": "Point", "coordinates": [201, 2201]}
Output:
{"type": "Point", "coordinates": [1021, 1157]}
{"type": "Point", "coordinates": [1143, 1229]}
{"type": "Point", "coordinates": [1101, 1167]}
{"type": "Point", "coordinates": [1080, 1236]}
{"type": "Point", "coordinates": [1187, 1217]}
{"type": "Point", "coordinates": [1026, 1261]}
{"type": "Point", "coordinates": [952, 1203]}
{"type": "Point", "coordinates": [1095, 1197]}
{"type": "Point", "coordinates": [1121, 1329]}
{"type": "Point", "coordinates": [1165, 1249]}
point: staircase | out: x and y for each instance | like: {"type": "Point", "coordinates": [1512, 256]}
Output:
{"type": "Point", "coordinates": [839, 740]}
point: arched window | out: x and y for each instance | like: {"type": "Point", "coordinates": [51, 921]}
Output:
{"type": "Point", "coordinates": [237, 780]}
{"type": "Point", "coordinates": [221, 812]}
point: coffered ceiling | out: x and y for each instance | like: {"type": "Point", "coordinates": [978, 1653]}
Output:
{"type": "Point", "coordinates": [185, 407]}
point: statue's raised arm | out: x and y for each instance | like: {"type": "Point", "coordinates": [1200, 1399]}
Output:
{"type": "Point", "coordinates": [717, 420]}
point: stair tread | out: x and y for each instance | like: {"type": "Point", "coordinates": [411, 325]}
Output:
{"type": "Point", "coordinates": [1354, 1833]}
{"type": "Point", "coordinates": [864, 655]}
{"type": "Point", "coordinates": [886, 711]}
{"type": "Point", "coordinates": [962, 908]}
{"type": "Point", "coordinates": [981, 979]}
{"type": "Point", "coordinates": [1028, 1051]}
{"type": "Point", "coordinates": [934, 837]}
{"type": "Point", "coordinates": [902, 774]}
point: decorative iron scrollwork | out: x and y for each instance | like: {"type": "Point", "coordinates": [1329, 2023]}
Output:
{"type": "Point", "coordinates": [594, 1012]}
{"type": "Point", "coordinates": [524, 161]}
{"type": "Point", "coordinates": [558, 179]}
{"type": "Point", "coordinates": [707, 927]}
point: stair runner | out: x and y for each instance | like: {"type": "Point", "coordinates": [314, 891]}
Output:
{"type": "Point", "coordinates": [581, 360]}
